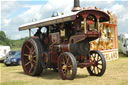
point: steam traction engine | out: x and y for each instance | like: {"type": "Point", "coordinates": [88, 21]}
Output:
{"type": "Point", "coordinates": [64, 44]}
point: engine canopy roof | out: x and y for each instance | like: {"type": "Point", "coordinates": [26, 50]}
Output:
{"type": "Point", "coordinates": [64, 18]}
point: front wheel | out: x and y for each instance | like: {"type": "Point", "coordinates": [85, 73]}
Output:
{"type": "Point", "coordinates": [98, 63]}
{"type": "Point", "coordinates": [67, 66]}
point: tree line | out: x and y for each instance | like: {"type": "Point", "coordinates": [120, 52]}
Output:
{"type": "Point", "coordinates": [4, 40]}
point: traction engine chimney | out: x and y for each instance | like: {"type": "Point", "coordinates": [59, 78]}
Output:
{"type": "Point", "coordinates": [76, 6]}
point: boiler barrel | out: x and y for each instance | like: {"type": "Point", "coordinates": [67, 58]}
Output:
{"type": "Point", "coordinates": [81, 48]}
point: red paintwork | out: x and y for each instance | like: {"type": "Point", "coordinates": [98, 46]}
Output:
{"type": "Point", "coordinates": [90, 22]}
{"type": "Point", "coordinates": [54, 57]}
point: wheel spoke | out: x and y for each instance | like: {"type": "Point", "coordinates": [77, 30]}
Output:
{"type": "Point", "coordinates": [31, 67]}
{"type": "Point", "coordinates": [69, 67]}
{"type": "Point", "coordinates": [94, 69]}
{"type": "Point", "coordinates": [99, 60]}
{"type": "Point", "coordinates": [67, 60]}
{"type": "Point", "coordinates": [68, 63]}
{"type": "Point", "coordinates": [34, 61]}
{"type": "Point", "coordinates": [27, 63]}
{"type": "Point", "coordinates": [34, 56]}
{"type": "Point", "coordinates": [33, 51]}
{"type": "Point", "coordinates": [94, 57]}
{"type": "Point", "coordinates": [98, 57]}
{"type": "Point", "coordinates": [68, 73]}
{"type": "Point", "coordinates": [28, 47]}
{"type": "Point", "coordinates": [91, 68]}
{"type": "Point", "coordinates": [99, 68]}
{"type": "Point", "coordinates": [99, 63]}
{"type": "Point", "coordinates": [26, 54]}
{"type": "Point", "coordinates": [64, 61]}
{"type": "Point", "coordinates": [32, 48]}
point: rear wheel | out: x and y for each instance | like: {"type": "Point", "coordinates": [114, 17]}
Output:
{"type": "Point", "coordinates": [67, 66]}
{"type": "Point", "coordinates": [99, 64]}
{"type": "Point", "coordinates": [31, 57]}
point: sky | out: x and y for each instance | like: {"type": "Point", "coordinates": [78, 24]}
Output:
{"type": "Point", "coordinates": [14, 13]}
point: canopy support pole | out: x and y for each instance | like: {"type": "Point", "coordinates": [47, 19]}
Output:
{"type": "Point", "coordinates": [29, 32]}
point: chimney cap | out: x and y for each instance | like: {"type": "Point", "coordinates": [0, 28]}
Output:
{"type": "Point", "coordinates": [76, 9]}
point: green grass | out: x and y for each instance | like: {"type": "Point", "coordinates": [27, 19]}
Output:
{"type": "Point", "coordinates": [116, 74]}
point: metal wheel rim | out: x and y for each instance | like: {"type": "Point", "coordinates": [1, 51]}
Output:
{"type": "Point", "coordinates": [29, 57]}
{"type": "Point", "coordinates": [65, 66]}
{"type": "Point", "coordinates": [97, 66]}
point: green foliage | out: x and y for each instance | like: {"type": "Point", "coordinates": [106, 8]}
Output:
{"type": "Point", "coordinates": [3, 39]}
{"type": "Point", "coordinates": [14, 44]}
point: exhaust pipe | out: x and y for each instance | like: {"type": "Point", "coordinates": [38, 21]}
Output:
{"type": "Point", "coordinates": [76, 6]}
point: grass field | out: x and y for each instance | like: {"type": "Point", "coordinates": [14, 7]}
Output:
{"type": "Point", "coordinates": [116, 74]}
